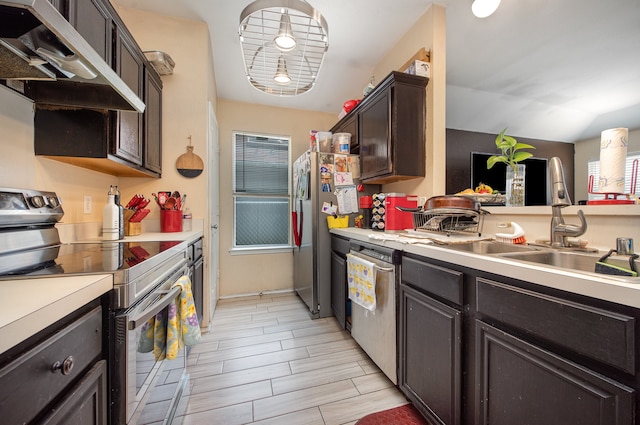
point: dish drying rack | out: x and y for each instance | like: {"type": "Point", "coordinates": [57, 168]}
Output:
{"type": "Point", "coordinates": [449, 221]}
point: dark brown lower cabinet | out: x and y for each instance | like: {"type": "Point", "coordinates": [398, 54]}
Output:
{"type": "Point", "coordinates": [520, 383]}
{"type": "Point", "coordinates": [339, 250]}
{"type": "Point", "coordinates": [86, 403]}
{"type": "Point", "coordinates": [477, 348]}
{"type": "Point", "coordinates": [430, 341]}
{"type": "Point", "coordinates": [61, 378]}
{"type": "Point", "coordinates": [338, 287]}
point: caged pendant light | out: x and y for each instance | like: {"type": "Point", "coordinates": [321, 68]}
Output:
{"type": "Point", "coordinates": [283, 45]}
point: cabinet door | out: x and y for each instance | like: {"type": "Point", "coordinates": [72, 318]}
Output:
{"type": "Point", "coordinates": [430, 342]}
{"type": "Point", "coordinates": [519, 383]}
{"type": "Point", "coordinates": [35, 380]}
{"type": "Point", "coordinates": [152, 123]}
{"type": "Point", "coordinates": [197, 286]}
{"type": "Point", "coordinates": [92, 20]}
{"type": "Point", "coordinates": [128, 132]}
{"type": "Point", "coordinates": [339, 288]}
{"type": "Point", "coordinates": [375, 140]}
{"type": "Point", "coordinates": [86, 403]}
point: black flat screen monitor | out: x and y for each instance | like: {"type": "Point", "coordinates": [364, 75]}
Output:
{"type": "Point", "coordinates": [536, 177]}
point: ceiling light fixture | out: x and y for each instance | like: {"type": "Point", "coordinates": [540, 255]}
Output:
{"type": "Point", "coordinates": [283, 45]}
{"type": "Point", "coordinates": [484, 8]}
{"type": "Point", "coordinates": [285, 40]}
{"type": "Point", "coordinates": [282, 76]}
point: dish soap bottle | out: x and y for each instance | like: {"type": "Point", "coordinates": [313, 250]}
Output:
{"type": "Point", "coordinates": [110, 221]}
{"type": "Point", "coordinates": [116, 198]}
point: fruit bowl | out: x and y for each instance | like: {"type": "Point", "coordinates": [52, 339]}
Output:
{"type": "Point", "coordinates": [488, 198]}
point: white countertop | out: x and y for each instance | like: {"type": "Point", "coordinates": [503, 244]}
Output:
{"type": "Point", "coordinates": [604, 287]}
{"type": "Point", "coordinates": [29, 305]}
{"type": "Point", "coordinates": [163, 236]}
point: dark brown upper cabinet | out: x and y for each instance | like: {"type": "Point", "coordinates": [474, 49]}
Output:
{"type": "Point", "coordinates": [93, 21]}
{"type": "Point", "coordinates": [128, 132]}
{"type": "Point", "coordinates": [153, 121]}
{"type": "Point", "coordinates": [122, 143]}
{"type": "Point", "coordinates": [390, 135]}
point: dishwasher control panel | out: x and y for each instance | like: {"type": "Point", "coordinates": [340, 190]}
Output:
{"type": "Point", "coordinates": [388, 255]}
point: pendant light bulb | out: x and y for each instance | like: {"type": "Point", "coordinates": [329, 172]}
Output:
{"type": "Point", "coordinates": [282, 76]}
{"type": "Point", "coordinates": [484, 8]}
{"type": "Point", "coordinates": [285, 41]}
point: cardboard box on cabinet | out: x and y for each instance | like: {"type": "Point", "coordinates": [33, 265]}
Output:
{"type": "Point", "coordinates": [420, 68]}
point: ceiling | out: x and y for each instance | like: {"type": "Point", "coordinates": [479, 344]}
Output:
{"type": "Point", "coordinates": [546, 69]}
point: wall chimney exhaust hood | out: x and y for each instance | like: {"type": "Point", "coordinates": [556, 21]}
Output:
{"type": "Point", "coordinates": [45, 58]}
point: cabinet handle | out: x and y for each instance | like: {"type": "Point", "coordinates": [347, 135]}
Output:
{"type": "Point", "coordinates": [65, 366]}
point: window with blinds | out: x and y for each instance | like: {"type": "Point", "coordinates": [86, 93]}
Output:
{"type": "Point", "coordinates": [593, 169]}
{"type": "Point", "coordinates": [261, 191]}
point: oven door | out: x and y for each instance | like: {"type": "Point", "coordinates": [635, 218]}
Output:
{"type": "Point", "coordinates": [135, 374]}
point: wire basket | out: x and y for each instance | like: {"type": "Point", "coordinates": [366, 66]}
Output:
{"type": "Point", "coordinates": [450, 220]}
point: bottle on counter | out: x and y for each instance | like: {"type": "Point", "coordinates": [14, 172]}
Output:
{"type": "Point", "coordinates": [186, 220]}
{"type": "Point", "coordinates": [366, 202]}
{"type": "Point", "coordinates": [110, 218]}
{"type": "Point", "coordinates": [116, 199]}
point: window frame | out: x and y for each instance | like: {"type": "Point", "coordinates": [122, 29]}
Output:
{"type": "Point", "coordinates": [259, 249]}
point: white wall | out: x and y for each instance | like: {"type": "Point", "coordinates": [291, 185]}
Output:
{"type": "Point", "coordinates": [20, 168]}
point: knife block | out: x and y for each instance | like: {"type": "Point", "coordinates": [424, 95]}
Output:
{"type": "Point", "coordinates": [131, 229]}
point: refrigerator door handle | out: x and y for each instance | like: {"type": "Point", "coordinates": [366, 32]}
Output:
{"type": "Point", "coordinates": [297, 226]}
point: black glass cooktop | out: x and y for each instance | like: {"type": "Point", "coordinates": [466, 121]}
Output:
{"type": "Point", "coordinates": [79, 258]}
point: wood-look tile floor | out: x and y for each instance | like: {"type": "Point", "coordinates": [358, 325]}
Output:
{"type": "Point", "coordinates": [266, 362]}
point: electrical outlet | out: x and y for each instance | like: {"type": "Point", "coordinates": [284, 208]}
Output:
{"type": "Point", "coordinates": [87, 204]}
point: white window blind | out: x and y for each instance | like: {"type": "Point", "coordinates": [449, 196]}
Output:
{"type": "Point", "coordinates": [261, 191]}
{"type": "Point", "coordinates": [593, 169]}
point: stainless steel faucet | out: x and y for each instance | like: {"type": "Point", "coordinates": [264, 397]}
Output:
{"type": "Point", "coordinates": [560, 199]}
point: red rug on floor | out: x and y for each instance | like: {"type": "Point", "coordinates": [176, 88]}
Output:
{"type": "Point", "coordinates": [403, 415]}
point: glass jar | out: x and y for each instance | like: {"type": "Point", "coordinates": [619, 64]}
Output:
{"type": "Point", "coordinates": [515, 185]}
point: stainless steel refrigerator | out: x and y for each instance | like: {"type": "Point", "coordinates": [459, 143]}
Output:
{"type": "Point", "coordinates": [318, 180]}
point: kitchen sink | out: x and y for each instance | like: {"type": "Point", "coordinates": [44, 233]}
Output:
{"type": "Point", "coordinates": [492, 247]}
{"type": "Point", "coordinates": [568, 260]}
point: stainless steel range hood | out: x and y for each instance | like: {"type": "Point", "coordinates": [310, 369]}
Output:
{"type": "Point", "coordinates": [40, 47]}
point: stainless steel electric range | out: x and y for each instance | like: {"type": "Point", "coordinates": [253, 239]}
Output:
{"type": "Point", "coordinates": [143, 276]}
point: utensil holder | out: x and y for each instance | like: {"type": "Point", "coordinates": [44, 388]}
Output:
{"type": "Point", "coordinates": [170, 221]}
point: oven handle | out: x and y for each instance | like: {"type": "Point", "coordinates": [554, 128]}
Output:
{"type": "Point", "coordinates": [160, 304]}
{"type": "Point", "coordinates": [154, 308]}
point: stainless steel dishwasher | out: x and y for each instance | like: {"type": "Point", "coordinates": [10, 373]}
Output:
{"type": "Point", "coordinates": [375, 331]}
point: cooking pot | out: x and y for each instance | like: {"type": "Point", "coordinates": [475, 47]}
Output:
{"type": "Point", "coordinates": [451, 201]}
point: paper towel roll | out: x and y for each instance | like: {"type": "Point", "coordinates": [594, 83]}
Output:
{"type": "Point", "coordinates": [613, 156]}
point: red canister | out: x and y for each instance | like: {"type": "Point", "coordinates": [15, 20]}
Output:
{"type": "Point", "coordinates": [170, 221]}
{"type": "Point", "coordinates": [396, 219]}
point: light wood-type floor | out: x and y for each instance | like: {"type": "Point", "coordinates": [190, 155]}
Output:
{"type": "Point", "coordinates": [266, 362]}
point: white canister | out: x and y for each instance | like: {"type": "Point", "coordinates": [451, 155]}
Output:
{"type": "Point", "coordinates": [341, 142]}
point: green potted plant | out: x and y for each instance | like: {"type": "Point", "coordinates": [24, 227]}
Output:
{"type": "Point", "coordinates": [512, 152]}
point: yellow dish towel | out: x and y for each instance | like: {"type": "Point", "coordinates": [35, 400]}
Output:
{"type": "Point", "coordinates": [172, 328]}
{"type": "Point", "coordinates": [361, 280]}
